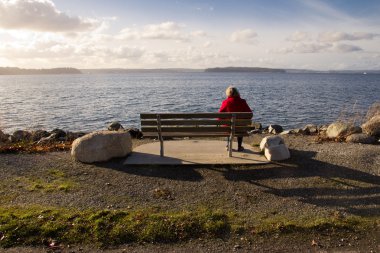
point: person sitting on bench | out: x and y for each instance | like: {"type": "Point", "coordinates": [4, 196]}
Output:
{"type": "Point", "coordinates": [234, 103]}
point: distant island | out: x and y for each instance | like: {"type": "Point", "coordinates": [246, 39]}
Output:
{"type": "Point", "coordinates": [68, 70]}
{"type": "Point", "coordinates": [19, 71]}
{"type": "Point", "coordinates": [245, 69]}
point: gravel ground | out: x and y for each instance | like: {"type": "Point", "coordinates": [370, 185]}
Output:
{"type": "Point", "coordinates": [318, 181]}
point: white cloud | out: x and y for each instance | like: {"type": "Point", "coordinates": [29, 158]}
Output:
{"type": "Point", "coordinates": [164, 31]}
{"type": "Point", "coordinates": [317, 47]}
{"type": "Point", "coordinates": [243, 36]}
{"type": "Point", "coordinates": [341, 36]}
{"type": "Point", "coordinates": [125, 52]}
{"type": "Point", "coordinates": [39, 15]}
{"type": "Point", "coordinates": [199, 33]}
{"type": "Point", "coordinates": [299, 36]}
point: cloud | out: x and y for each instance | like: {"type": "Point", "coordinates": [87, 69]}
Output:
{"type": "Point", "coordinates": [39, 15]}
{"type": "Point", "coordinates": [199, 33]}
{"type": "Point", "coordinates": [243, 36]}
{"type": "Point", "coordinates": [317, 47]}
{"type": "Point", "coordinates": [125, 52]}
{"type": "Point", "coordinates": [164, 31]}
{"type": "Point", "coordinates": [299, 36]}
{"type": "Point", "coordinates": [341, 36]}
{"type": "Point", "coordinates": [345, 48]}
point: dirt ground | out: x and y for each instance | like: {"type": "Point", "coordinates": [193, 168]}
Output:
{"type": "Point", "coordinates": [320, 180]}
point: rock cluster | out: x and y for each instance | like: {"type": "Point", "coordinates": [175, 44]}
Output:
{"type": "Point", "coordinates": [368, 133]}
{"type": "Point", "coordinates": [39, 136]}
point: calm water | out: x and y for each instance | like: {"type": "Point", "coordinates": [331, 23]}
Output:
{"type": "Point", "coordinates": [90, 102]}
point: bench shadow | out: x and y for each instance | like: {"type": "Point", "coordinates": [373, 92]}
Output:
{"type": "Point", "coordinates": [173, 172]}
{"type": "Point", "coordinates": [353, 191]}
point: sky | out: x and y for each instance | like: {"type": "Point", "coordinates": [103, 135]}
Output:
{"type": "Point", "coordinates": [298, 34]}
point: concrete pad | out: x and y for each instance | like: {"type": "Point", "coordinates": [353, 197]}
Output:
{"type": "Point", "coordinates": [193, 152]}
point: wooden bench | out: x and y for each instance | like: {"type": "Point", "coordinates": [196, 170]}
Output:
{"type": "Point", "coordinates": [161, 125]}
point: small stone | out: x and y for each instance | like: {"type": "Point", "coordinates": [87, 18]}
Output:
{"type": "Point", "coordinates": [135, 133]}
{"type": "Point", "coordinates": [39, 134]}
{"type": "Point", "coordinates": [115, 126]}
{"type": "Point", "coordinates": [237, 246]}
{"type": "Point", "coordinates": [21, 135]}
{"type": "Point", "coordinates": [108, 184]}
{"type": "Point", "coordinates": [275, 129]}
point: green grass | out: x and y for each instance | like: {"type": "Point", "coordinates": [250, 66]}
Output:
{"type": "Point", "coordinates": [54, 180]}
{"type": "Point", "coordinates": [36, 226]}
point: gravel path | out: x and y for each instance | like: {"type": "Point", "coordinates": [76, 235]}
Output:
{"type": "Point", "coordinates": [319, 180]}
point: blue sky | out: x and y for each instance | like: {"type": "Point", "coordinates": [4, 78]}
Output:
{"type": "Point", "coordinates": [313, 34]}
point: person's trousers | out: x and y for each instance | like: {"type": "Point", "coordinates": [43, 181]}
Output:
{"type": "Point", "coordinates": [239, 139]}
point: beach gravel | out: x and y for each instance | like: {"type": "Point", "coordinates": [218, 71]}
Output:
{"type": "Point", "coordinates": [319, 179]}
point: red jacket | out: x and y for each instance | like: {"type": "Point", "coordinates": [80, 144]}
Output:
{"type": "Point", "coordinates": [234, 104]}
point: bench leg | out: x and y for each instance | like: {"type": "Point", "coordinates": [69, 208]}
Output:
{"type": "Point", "coordinates": [230, 146]}
{"type": "Point", "coordinates": [161, 147]}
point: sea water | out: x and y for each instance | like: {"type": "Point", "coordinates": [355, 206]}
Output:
{"type": "Point", "coordinates": [87, 102]}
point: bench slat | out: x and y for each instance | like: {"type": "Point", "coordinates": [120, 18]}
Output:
{"type": "Point", "coordinates": [241, 122]}
{"type": "Point", "coordinates": [200, 115]}
{"type": "Point", "coordinates": [182, 135]}
{"type": "Point", "coordinates": [196, 129]}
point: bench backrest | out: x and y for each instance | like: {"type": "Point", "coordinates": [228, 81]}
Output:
{"type": "Point", "coordinates": [195, 124]}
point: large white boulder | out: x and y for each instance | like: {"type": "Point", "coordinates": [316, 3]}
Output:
{"type": "Point", "coordinates": [101, 146]}
{"type": "Point", "coordinates": [274, 148]}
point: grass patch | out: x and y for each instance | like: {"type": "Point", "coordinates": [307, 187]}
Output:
{"type": "Point", "coordinates": [55, 180]}
{"type": "Point", "coordinates": [39, 226]}
{"type": "Point", "coordinates": [34, 226]}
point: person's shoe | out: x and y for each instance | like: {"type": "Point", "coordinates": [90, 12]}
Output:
{"type": "Point", "coordinates": [240, 149]}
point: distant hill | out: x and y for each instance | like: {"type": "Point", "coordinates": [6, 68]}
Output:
{"type": "Point", "coordinates": [127, 71]}
{"type": "Point", "coordinates": [18, 71]}
{"type": "Point", "coordinates": [244, 69]}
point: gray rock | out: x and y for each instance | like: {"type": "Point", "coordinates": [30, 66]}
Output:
{"type": "Point", "coordinates": [115, 126]}
{"type": "Point", "coordinates": [4, 137]}
{"type": "Point", "coordinates": [21, 135]}
{"type": "Point", "coordinates": [101, 146]}
{"type": "Point", "coordinates": [372, 126]}
{"type": "Point", "coordinates": [322, 128]}
{"type": "Point", "coordinates": [286, 132]}
{"type": "Point", "coordinates": [39, 134]}
{"type": "Point", "coordinates": [361, 138]}
{"type": "Point", "coordinates": [70, 136]}
{"type": "Point", "coordinates": [310, 129]}
{"type": "Point", "coordinates": [298, 131]}
{"type": "Point", "coordinates": [58, 133]}
{"type": "Point", "coordinates": [275, 129]}
{"type": "Point", "coordinates": [135, 133]}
